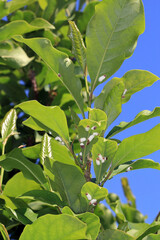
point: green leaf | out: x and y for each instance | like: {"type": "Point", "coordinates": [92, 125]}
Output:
{"type": "Point", "coordinates": [140, 230]}
{"type": "Point", "coordinates": [68, 181]}
{"type": "Point", "coordinates": [45, 196]}
{"type": "Point", "coordinates": [98, 116]}
{"type": "Point", "coordinates": [92, 191]}
{"type": "Point", "coordinates": [59, 63]}
{"type": "Point", "coordinates": [18, 184]}
{"type": "Point", "coordinates": [22, 215]}
{"type": "Point", "coordinates": [16, 160]}
{"type": "Point", "coordinates": [132, 214]}
{"type": "Point", "coordinates": [50, 228]}
{"type": "Point", "coordinates": [53, 150]}
{"type": "Point", "coordinates": [11, 6]}
{"type": "Point", "coordinates": [139, 164]}
{"type": "Point", "coordinates": [78, 47]}
{"type": "Point", "coordinates": [141, 117]}
{"type": "Point", "coordinates": [137, 146]}
{"type": "Point", "coordinates": [103, 152]}
{"type": "Point", "coordinates": [93, 224]}
{"type": "Point", "coordinates": [14, 57]}
{"type": "Point", "coordinates": [43, 4]}
{"type": "Point", "coordinates": [136, 80]}
{"type": "Point", "coordinates": [4, 232]}
{"type": "Point", "coordinates": [20, 27]}
{"type": "Point", "coordinates": [8, 125]}
{"type": "Point", "coordinates": [32, 123]}
{"type": "Point", "coordinates": [114, 235]}
{"type": "Point", "coordinates": [152, 237]}
{"type": "Point", "coordinates": [49, 118]}
{"type": "Point", "coordinates": [118, 24]}
{"type": "Point", "coordinates": [110, 99]}
{"type": "Point", "coordinates": [32, 152]}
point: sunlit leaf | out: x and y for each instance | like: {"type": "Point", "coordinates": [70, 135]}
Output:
{"type": "Point", "coordinates": [50, 228]}
{"type": "Point", "coordinates": [93, 224]}
{"type": "Point", "coordinates": [16, 160]}
{"type": "Point", "coordinates": [20, 27]}
{"type": "Point", "coordinates": [60, 64]}
{"type": "Point", "coordinates": [103, 152]}
{"type": "Point", "coordinates": [18, 184]}
{"type": "Point", "coordinates": [68, 181]}
{"type": "Point", "coordinates": [137, 146]}
{"type": "Point", "coordinates": [49, 118]}
{"type": "Point", "coordinates": [111, 234]}
{"type": "Point", "coordinates": [114, 30]}
{"type": "Point", "coordinates": [142, 116]}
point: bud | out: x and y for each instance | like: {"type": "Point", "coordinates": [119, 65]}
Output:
{"type": "Point", "coordinates": [129, 169]}
{"type": "Point", "coordinates": [98, 161]}
{"type": "Point", "coordinates": [59, 75]}
{"type": "Point", "coordinates": [90, 138]}
{"type": "Point", "coordinates": [94, 128]}
{"type": "Point", "coordinates": [82, 139]}
{"type": "Point", "coordinates": [82, 145]}
{"type": "Point", "coordinates": [93, 202]}
{"type": "Point", "coordinates": [88, 196]}
{"type": "Point", "coordinates": [58, 139]}
{"type": "Point", "coordinates": [100, 79]}
{"type": "Point", "coordinates": [123, 95]}
{"type": "Point", "coordinates": [87, 128]}
{"type": "Point", "coordinates": [95, 134]}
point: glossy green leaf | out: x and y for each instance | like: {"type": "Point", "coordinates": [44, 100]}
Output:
{"type": "Point", "coordinates": [152, 237]}
{"type": "Point", "coordinates": [8, 125]}
{"type": "Point", "coordinates": [49, 118]}
{"type": "Point", "coordinates": [139, 164]}
{"type": "Point", "coordinates": [110, 99]}
{"type": "Point", "coordinates": [32, 152]}
{"type": "Point", "coordinates": [111, 234]}
{"type": "Point", "coordinates": [32, 123]}
{"type": "Point", "coordinates": [55, 151]}
{"type": "Point", "coordinates": [43, 196]}
{"type": "Point", "coordinates": [136, 80]}
{"type": "Point", "coordinates": [98, 116]}
{"type": "Point", "coordinates": [78, 47]}
{"type": "Point", "coordinates": [43, 4]}
{"type": "Point", "coordinates": [18, 184]}
{"type": "Point", "coordinates": [50, 9]}
{"type": "Point", "coordinates": [23, 215]}
{"type": "Point", "coordinates": [11, 6]}
{"type": "Point", "coordinates": [15, 57]}
{"type": "Point", "coordinates": [20, 27]}
{"type": "Point", "coordinates": [137, 146]}
{"type": "Point", "coordinates": [53, 227]}
{"type": "Point", "coordinates": [59, 63]}
{"type": "Point", "coordinates": [16, 160]}
{"type": "Point", "coordinates": [4, 232]}
{"type": "Point", "coordinates": [140, 230]}
{"type": "Point", "coordinates": [68, 181]}
{"type": "Point", "coordinates": [93, 224]}
{"type": "Point", "coordinates": [118, 24]}
{"type": "Point", "coordinates": [142, 116]}
{"type": "Point", "coordinates": [102, 153]}
{"type": "Point", "coordinates": [94, 192]}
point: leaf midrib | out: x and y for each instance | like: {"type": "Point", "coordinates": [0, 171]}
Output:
{"type": "Point", "coordinates": [27, 169]}
{"type": "Point", "coordinates": [103, 56]}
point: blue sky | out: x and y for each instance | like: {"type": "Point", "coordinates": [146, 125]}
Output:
{"type": "Point", "coordinates": [144, 183]}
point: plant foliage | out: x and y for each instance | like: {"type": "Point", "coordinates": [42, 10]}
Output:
{"type": "Point", "coordinates": [51, 136]}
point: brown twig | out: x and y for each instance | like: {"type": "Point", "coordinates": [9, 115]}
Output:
{"type": "Point", "coordinates": [31, 75]}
